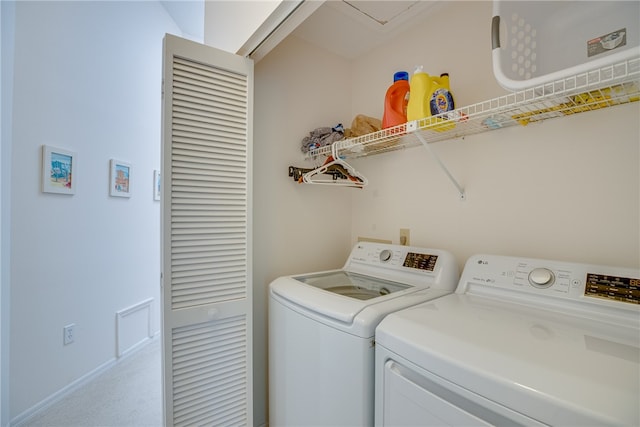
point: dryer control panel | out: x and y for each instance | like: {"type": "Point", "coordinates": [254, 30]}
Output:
{"type": "Point", "coordinates": [619, 288]}
{"type": "Point", "coordinates": [546, 278]}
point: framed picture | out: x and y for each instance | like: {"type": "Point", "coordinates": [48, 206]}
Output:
{"type": "Point", "coordinates": [120, 180]}
{"type": "Point", "coordinates": [58, 170]}
{"type": "Point", "coordinates": [156, 185]}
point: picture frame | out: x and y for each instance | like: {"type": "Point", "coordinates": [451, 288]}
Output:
{"type": "Point", "coordinates": [59, 170]}
{"type": "Point", "coordinates": [120, 178]}
{"type": "Point", "coordinates": [156, 185]}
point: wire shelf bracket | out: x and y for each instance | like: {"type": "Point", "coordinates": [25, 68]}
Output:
{"type": "Point", "coordinates": [412, 126]}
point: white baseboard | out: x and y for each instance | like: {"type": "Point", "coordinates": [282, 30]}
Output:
{"type": "Point", "coordinates": [70, 388]}
{"type": "Point", "coordinates": [60, 394]}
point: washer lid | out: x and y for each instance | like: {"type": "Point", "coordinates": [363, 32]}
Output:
{"type": "Point", "coordinates": [352, 285]}
{"type": "Point", "coordinates": [340, 308]}
{"type": "Point", "coordinates": [556, 368]}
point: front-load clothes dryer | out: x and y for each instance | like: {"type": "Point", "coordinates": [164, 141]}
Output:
{"type": "Point", "coordinates": [521, 342]}
{"type": "Point", "coordinates": [321, 330]}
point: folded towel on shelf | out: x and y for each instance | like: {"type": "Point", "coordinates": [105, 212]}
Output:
{"type": "Point", "coordinates": [321, 137]}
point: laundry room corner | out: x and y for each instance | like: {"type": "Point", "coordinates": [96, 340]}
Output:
{"type": "Point", "coordinates": [549, 189]}
{"type": "Point", "coordinates": [297, 227]}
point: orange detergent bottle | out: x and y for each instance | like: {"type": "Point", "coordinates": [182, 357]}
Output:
{"type": "Point", "coordinates": [395, 101]}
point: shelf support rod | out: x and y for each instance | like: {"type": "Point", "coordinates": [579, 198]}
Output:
{"type": "Point", "coordinates": [442, 166]}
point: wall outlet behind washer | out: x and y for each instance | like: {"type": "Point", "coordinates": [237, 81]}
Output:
{"type": "Point", "coordinates": [404, 237]}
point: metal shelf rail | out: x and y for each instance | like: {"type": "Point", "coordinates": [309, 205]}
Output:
{"type": "Point", "coordinates": [595, 89]}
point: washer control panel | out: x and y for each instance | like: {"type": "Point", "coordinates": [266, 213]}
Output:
{"type": "Point", "coordinates": [541, 277]}
{"type": "Point", "coordinates": [420, 261]}
{"type": "Point", "coordinates": [396, 256]}
{"type": "Point", "coordinates": [411, 264]}
{"type": "Point", "coordinates": [551, 278]}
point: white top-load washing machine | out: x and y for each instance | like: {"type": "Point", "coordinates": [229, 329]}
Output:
{"type": "Point", "coordinates": [321, 330]}
{"type": "Point", "coordinates": [521, 342]}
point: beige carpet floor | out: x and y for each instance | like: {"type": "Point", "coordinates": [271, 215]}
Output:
{"type": "Point", "coordinates": [127, 395]}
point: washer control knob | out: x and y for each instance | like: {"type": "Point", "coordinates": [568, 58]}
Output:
{"type": "Point", "coordinates": [541, 277]}
{"type": "Point", "coordinates": [385, 255]}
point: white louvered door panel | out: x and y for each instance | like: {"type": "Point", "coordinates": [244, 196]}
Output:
{"type": "Point", "coordinates": [206, 235]}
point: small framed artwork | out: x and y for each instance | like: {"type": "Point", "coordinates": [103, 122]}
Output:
{"type": "Point", "coordinates": [156, 185]}
{"type": "Point", "coordinates": [120, 179]}
{"type": "Point", "coordinates": [58, 170]}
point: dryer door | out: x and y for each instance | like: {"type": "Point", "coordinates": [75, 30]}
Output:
{"type": "Point", "coordinates": [407, 395]}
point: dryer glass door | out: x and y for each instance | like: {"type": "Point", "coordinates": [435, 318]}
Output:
{"type": "Point", "coordinates": [352, 284]}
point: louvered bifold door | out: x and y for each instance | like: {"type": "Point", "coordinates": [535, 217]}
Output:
{"type": "Point", "coordinates": [206, 230]}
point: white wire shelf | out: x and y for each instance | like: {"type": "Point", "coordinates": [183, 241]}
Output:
{"type": "Point", "coordinates": [592, 90]}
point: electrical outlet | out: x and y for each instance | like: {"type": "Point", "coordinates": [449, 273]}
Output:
{"type": "Point", "coordinates": [69, 333]}
{"type": "Point", "coordinates": [404, 237]}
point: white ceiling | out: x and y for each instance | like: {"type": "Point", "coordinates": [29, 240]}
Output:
{"type": "Point", "coordinates": [354, 27]}
{"type": "Point", "coordinates": [349, 28]}
{"type": "Point", "coordinates": [188, 15]}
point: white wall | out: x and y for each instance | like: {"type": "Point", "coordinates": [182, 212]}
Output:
{"type": "Point", "coordinates": [563, 189]}
{"type": "Point", "coordinates": [222, 18]}
{"type": "Point", "coordinates": [87, 78]}
{"type": "Point", "coordinates": [297, 228]}
{"type": "Point", "coordinates": [7, 11]}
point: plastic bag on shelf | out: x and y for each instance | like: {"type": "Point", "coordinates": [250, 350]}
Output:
{"type": "Point", "coordinates": [363, 125]}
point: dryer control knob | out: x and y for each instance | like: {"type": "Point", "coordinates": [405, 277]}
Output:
{"type": "Point", "coordinates": [541, 277]}
{"type": "Point", "coordinates": [385, 255]}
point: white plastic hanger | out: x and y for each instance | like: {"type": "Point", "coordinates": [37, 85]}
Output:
{"type": "Point", "coordinates": [354, 178]}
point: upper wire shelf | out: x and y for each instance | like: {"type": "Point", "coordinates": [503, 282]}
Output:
{"type": "Point", "coordinates": [592, 90]}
